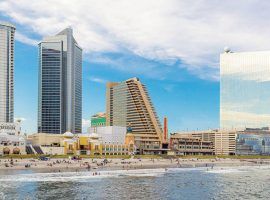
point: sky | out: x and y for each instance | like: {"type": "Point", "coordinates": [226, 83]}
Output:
{"type": "Point", "coordinates": [173, 46]}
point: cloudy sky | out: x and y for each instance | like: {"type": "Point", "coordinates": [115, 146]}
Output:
{"type": "Point", "coordinates": [173, 46]}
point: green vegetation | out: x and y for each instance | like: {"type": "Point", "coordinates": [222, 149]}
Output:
{"type": "Point", "coordinates": [16, 156]}
{"type": "Point", "coordinates": [225, 156]}
{"type": "Point", "coordinates": [139, 156]}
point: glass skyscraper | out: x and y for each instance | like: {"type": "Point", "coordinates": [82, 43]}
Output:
{"type": "Point", "coordinates": [244, 90]}
{"type": "Point", "coordinates": [60, 84]}
{"type": "Point", "coordinates": [7, 32]}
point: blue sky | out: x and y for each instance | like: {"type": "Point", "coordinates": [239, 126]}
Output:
{"type": "Point", "coordinates": [172, 46]}
{"type": "Point", "coordinates": [189, 104]}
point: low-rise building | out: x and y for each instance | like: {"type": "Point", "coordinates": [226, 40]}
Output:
{"type": "Point", "coordinates": [11, 144]}
{"type": "Point", "coordinates": [224, 141]}
{"type": "Point", "coordinates": [78, 144]}
{"type": "Point", "coordinates": [253, 141]}
{"type": "Point", "coordinates": [189, 145]}
{"type": "Point", "coordinates": [112, 134]}
{"type": "Point", "coordinates": [11, 128]}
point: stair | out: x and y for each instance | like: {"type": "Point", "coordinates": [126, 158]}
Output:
{"type": "Point", "coordinates": [38, 150]}
{"type": "Point", "coordinates": [29, 150]}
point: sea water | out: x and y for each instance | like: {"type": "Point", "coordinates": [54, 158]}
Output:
{"type": "Point", "coordinates": [180, 183]}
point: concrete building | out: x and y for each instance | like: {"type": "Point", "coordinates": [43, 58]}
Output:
{"type": "Point", "coordinates": [98, 120]}
{"type": "Point", "coordinates": [128, 104]}
{"type": "Point", "coordinates": [110, 134]}
{"type": "Point", "coordinates": [77, 144]}
{"type": "Point", "coordinates": [206, 135]}
{"type": "Point", "coordinates": [7, 32]}
{"type": "Point", "coordinates": [188, 145]}
{"type": "Point", "coordinates": [60, 84]}
{"type": "Point", "coordinates": [224, 141]}
{"type": "Point", "coordinates": [244, 90]}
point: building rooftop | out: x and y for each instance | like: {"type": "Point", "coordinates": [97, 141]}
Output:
{"type": "Point", "coordinates": [7, 24]}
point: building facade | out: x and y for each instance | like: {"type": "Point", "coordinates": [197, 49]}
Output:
{"type": "Point", "coordinates": [110, 134]}
{"type": "Point", "coordinates": [7, 32]}
{"type": "Point", "coordinates": [60, 84]}
{"type": "Point", "coordinates": [223, 141]}
{"type": "Point", "coordinates": [98, 120]}
{"type": "Point", "coordinates": [253, 141]}
{"type": "Point", "coordinates": [253, 144]}
{"type": "Point", "coordinates": [11, 128]}
{"type": "Point", "coordinates": [12, 144]}
{"type": "Point", "coordinates": [79, 144]}
{"type": "Point", "coordinates": [129, 105]}
{"type": "Point", "coordinates": [185, 145]}
{"type": "Point", "coordinates": [244, 90]}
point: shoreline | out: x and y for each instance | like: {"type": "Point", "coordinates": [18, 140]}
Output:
{"type": "Point", "coordinates": [95, 165]}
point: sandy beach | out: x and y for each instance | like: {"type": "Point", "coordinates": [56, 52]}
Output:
{"type": "Point", "coordinates": [88, 164]}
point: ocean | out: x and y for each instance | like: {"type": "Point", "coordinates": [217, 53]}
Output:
{"type": "Point", "coordinates": [181, 183]}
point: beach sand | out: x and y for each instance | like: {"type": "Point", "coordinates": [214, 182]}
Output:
{"type": "Point", "coordinates": [88, 164]}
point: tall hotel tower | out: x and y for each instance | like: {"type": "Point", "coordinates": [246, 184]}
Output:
{"type": "Point", "coordinates": [60, 84]}
{"type": "Point", "coordinates": [128, 104]}
{"type": "Point", "coordinates": [244, 90]}
{"type": "Point", "coordinates": [7, 32]}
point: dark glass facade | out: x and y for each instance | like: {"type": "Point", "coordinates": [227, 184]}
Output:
{"type": "Point", "coordinates": [50, 106]}
{"type": "Point", "coordinates": [60, 84]}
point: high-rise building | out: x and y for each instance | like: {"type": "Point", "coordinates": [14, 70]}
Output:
{"type": "Point", "coordinates": [128, 104]}
{"type": "Point", "coordinates": [244, 90]}
{"type": "Point", "coordinates": [7, 32]}
{"type": "Point", "coordinates": [60, 84]}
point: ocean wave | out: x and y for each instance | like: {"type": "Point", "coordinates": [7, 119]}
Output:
{"type": "Point", "coordinates": [81, 176]}
{"type": "Point", "coordinates": [237, 169]}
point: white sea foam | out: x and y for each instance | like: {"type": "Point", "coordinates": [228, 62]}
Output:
{"type": "Point", "coordinates": [237, 169]}
{"type": "Point", "coordinates": [88, 176]}
{"type": "Point", "coordinates": [80, 176]}
{"type": "Point", "coordinates": [175, 170]}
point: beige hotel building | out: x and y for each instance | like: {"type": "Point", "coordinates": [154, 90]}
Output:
{"type": "Point", "coordinates": [128, 104]}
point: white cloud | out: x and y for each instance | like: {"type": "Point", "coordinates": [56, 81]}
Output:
{"type": "Point", "coordinates": [168, 87]}
{"type": "Point", "coordinates": [237, 119]}
{"type": "Point", "coordinates": [20, 118]}
{"type": "Point", "coordinates": [24, 39]}
{"type": "Point", "coordinates": [191, 31]}
{"type": "Point", "coordinates": [97, 80]}
{"type": "Point", "coordinates": [255, 66]}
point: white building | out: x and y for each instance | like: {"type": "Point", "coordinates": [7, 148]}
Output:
{"type": "Point", "coordinates": [12, 144]}
{"type": "Point", "coordinates": [110, 134]}
{"type": "Point", "coordinates": [7, 32]}
{"type": "Point", "coordinates": [11, 128]}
